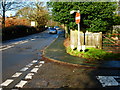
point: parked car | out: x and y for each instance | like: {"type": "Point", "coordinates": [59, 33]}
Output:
{"type": "Point", "coordinates": [52, 31]}
{"type": "Point", "coordinates": [56, 27]}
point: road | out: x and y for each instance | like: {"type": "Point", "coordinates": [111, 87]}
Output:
{"type": "Point", "coordinates": [23, 51]}
{"type": "Point", "coordinates": [22, 56]}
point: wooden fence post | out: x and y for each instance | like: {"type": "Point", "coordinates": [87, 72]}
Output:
{"type": "Point", "coordinates": [100, 40]}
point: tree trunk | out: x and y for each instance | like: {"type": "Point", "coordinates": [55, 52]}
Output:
{"type": "Point", "coordinates": [3, 17]}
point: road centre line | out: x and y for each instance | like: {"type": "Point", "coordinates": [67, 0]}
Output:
{"type": "Point", "coordinates": [7, 47]}
{"type": "Point", "coordinates": [12, 45]}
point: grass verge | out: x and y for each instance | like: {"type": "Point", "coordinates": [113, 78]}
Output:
{"type": "Point", "coordinates": [92, 54]}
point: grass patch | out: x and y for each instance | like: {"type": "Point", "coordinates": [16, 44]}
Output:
{"type": "Point", "coordinates": [94, 54]}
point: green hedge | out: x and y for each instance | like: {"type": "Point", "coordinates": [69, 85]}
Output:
{"type": "Point", "coordinates": [19, 31]}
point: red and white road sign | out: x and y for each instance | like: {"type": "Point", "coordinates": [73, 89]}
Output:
{"type": "Point", "coordinates": [77, 18]}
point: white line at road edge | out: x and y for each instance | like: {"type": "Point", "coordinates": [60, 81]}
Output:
{"type": "Point", "coordinates": [7, 82]}
{"type": "Point", "coordinates": [107, 80]}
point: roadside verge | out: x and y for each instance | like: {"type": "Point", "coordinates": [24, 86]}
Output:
{"type": "Point", "coordinates": [56, 52]}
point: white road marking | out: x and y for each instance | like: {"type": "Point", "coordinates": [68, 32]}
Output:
{"type": "Point", "coordinates": [29, 76]}
{"type": "Point", "coordinates": [32, 39]}
{"type": "Point", "coordinates": [7, 82]}
{"type": "Point", "coordinates": [29, 65]}
{"type": "Point", "coordinates": [17, 74]}
{"type": "Point", "coordinates": [107, 81]}
{"type": "Point", "coordinates": [34, 70]}
{"type": "Point", "coordinates": [14, 89]}
{"type": "Point", "coordinates": [7, 47]}
{"type": "Point", "coordinates": [34, 61]}
{"type": "Point", "coordinates": [12, 45]}
{"type": "Point", "coordinates": [23, 42]}
{"type": "Point", "coordinates": [38, 65]}
{"type": "Point", "coordinates": [24, 69]}
{"type": "Point", "coordinates": [42, 62]}
{"type": "Point", "coordinates": [21, 84]}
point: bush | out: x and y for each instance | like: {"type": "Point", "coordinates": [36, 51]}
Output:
{"type": "Point", "coordinates": [17, 31]}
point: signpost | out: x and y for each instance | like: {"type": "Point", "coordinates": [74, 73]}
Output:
{"type": "Point", "coordinates": [33, 23]}
{"type": "Point", "coordinates": [77, 20]}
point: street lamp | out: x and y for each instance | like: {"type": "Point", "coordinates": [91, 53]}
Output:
{"type": "Point", "coordinates": [77, 22]}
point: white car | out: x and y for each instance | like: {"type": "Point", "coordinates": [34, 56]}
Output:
{"type": "Point", "coordinates": [52, 31]}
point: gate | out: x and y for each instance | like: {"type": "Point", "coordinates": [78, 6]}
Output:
{"type": "Point", "coordinates": [111, 42]}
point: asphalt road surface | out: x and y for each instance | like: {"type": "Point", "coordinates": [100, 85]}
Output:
{"type": "Point", "coordinates": [19, 52]}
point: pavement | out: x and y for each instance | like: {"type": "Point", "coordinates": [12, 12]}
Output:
{"type": "Point", "coordinates": [56, 52]}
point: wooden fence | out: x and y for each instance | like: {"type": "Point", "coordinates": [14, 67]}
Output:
{"type": "Point", "coordinates": [111, 43]}
{"type": "Point", "coordinates": [88, 39]}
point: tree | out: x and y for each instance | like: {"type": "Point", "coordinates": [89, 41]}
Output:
{"type": "Point", "coordinates": [7, 5]}
{"type": "Point", "coordinates": [95, 16]}
{"type": "Point", "coordinates": [35, 12]}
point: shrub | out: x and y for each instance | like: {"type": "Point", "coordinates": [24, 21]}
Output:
{"type": "Point", "coordinates": [17, 31]}
{"type": "Point", "coordinates": [94, 54]}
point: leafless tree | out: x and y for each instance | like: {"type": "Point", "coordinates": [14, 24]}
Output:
{"type": "Point", "coordinates": [6, 5]}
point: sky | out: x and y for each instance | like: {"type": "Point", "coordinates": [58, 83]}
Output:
{"type": "Point", "coordinates": [9, 13]}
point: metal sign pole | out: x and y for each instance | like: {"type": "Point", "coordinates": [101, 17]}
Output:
{"type": "Point", "coordinates": [79, 46]}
